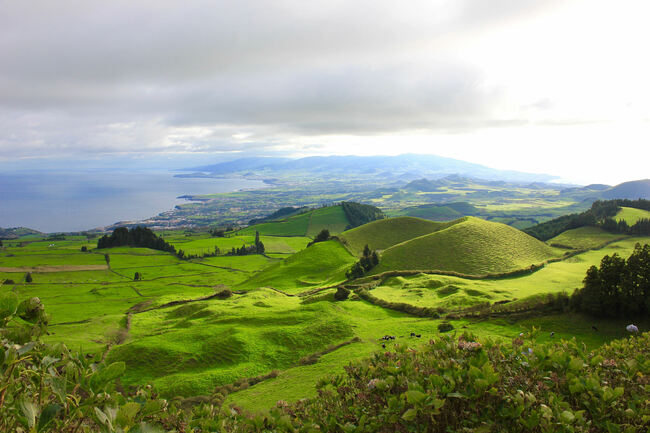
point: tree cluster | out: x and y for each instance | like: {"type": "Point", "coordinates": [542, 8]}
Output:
{"type": "Point", "coordinates": [600, 215]}
{"type": "Point", "coordinates": [135, 237]}
{"type": "Point", "coordinates": [323, 236]}
{"type": "Point", "coordinates": [360, 214]}
{"type": "Point", "coordinates": [640, 228]}
{"type": "Point", "coordinates": [369, 260]}
{"type": "Point", "coordinates": [184, 256]}
{"type": "Point", "coordinates": [618, 288]}
{"type": "Point", "coordinates": [256, 248]}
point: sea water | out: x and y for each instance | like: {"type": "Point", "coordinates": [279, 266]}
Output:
{"type": "Point", "coordinates": [58, 201]}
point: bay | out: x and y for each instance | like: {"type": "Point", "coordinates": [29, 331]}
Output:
{"type": "Point", "coordinates": [62, 201]}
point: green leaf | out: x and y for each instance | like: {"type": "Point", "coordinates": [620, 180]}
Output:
{"type": "Point", "coordinates": [575, 364]}
{"type": "Point", "coordinates": [127, 414]}
{"type": "Point", "coordinates": [567, 417]}
{"type": "Point", "coordinates": [410, 414]}
{"type": "Point", "coordinates": [47, 416]}
{"type": "Point", "coordinates": [8, 305]}
{"type": "Point", "coordinates": [415, 397]}
{"type": "Point", "coordinates": [29, 410]}
{"type": "Point", "coordinates": [103, 418]}
{"type": "Point", "coordinates": [107, 374]}
{"type": "Point", "coordinates": [59, 386]}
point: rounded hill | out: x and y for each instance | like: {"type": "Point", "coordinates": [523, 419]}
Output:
{"type": "Point", "coordinates": [382, 234]}
{"type": "Point", "coordinates": [469, 246]}
{"type": "Point", "coordinates": [324, 263]}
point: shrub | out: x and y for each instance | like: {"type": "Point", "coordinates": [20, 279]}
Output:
{"type": "Point", "coordinates": [224, 294]}
{"type": "Point", "coordinates": [341, 294]}
{"type": "Point", "coordinates": [28, 277]}
{"type": "Point", "coordinates": [9, 281]}
{"type": "Point", "coordinates": [445, 327]}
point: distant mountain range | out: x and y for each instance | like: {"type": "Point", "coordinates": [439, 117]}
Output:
{"type": "Point", "coordinates": [405, 167]}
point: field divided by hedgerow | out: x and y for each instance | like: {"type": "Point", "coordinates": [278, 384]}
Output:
{"type": "Point", "coordinates": [191, 348]}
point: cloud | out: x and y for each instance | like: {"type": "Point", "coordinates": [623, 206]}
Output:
{"type": "Point", "coordinates": [168, 76]}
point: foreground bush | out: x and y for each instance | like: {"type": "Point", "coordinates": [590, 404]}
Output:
{"type": "Point", "coordinates": [451, 384]}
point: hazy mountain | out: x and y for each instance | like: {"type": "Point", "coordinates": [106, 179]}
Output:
{"type": "Point", "coordinates": [404, 167]}
{"type": "Point", "coordinates": [631, 190]}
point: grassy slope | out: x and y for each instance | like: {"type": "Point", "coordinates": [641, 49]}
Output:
{"type": "Point", "coordinates": [631, 215]}
{"type": "Point", "coordinates": [322, 264]}
{"type": "Point", "coordinates": [471, 246]}
{"type": "Point", "coordinates": [453, 292]}
{"type": "Point", "coordinates": [331, 218]}
{"type": "Point", "coordinates": [190, 349]}
{"type": "Point", "coordinates": [385, 233]}
{"type": "Point", "coordinates": [307, 224]}
{"type": "Point", "coordinates": [583, 237]}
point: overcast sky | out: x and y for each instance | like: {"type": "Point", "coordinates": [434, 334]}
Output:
{"type": "Point", "coordinates": [559, 87]}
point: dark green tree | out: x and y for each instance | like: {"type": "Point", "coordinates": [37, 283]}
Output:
{"type": "Point", "coordinates": [28, 277]}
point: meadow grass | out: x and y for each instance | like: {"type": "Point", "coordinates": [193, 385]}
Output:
{"type": "Point", "coordinates": [306, 224]}
{"type": "Point", "coordinates": [322, 264]}
{"type": "Point", "coordinates": [297, 225]}
{"type": "Point", "coordinates": [632, 215]}
{"type": "Point", "coordinates": [331, 218]}
{"type": "Point", "coordinates": [382, 234]}
{"type": "Point", "coordinates": [583, 238]}
{"type": "Point", "coordinates": [472, 246]}
{"type": "Point", "coordinates": [191, 348]}
{"type": "Point", "coordinates": [454, 293]}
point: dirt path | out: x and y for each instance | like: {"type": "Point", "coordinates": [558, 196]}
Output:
{"type": "Point", "coordinates": [54, 268]}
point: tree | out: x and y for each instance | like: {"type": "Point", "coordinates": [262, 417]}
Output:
{"type": "Point", "coordinates": [137, 276]}
{"type": "Point", "coordinates": [618, 288]}
{"type": "Point", "coordinates": [28, 277]}
{"type": "Point", "coordinates": [322, 236]}
{"type": "Point", "coordinates": [0, 242]}
{"type": "Point", "coordinates": [84, 249]}
{"type": "Point", "coordinates": [108, 259]}
{"type": "Point", "coordinates": [341, 294]}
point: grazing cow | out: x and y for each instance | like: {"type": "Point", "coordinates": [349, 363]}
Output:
{"type": "Point", "coordinates": [552, 334]}
{"type": "Point", "coordinates": [383, 345]}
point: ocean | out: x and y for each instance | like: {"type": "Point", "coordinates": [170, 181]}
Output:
{"type": "Point", "coordinates": [57, 201]}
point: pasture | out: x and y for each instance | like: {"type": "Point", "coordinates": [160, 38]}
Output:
{"type": "Point", "coordinates": [174, 330]}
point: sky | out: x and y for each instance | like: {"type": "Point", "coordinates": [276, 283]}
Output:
{"type": "Point", "coordinates": [555, 86]}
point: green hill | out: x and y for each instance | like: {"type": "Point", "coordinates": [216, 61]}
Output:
{"type": "Point", "coordinates": [583, 237]}
{"type": "Point", "coordinates": [469, 246]}
{"type": "Point", "coordinates": [632, 215]}
{"type": "Point", "coordinates": [382, 234]}
{"type": "Point", "coordinates": [322, 264]}
{"type": "Point", "coordinates": [333, 218]}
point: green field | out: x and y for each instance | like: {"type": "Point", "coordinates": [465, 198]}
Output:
{"type": "Point", "coordinates": [308, 224]}
{"type": "Point", "coordinates": [382, 234]}
{"type": "Point", "coordinates": [322, 264]}
{"type": "Point", "coordinates": [277, 316]}
{"type": "Point", "coordinates": [583, 238]}
{"type": "Point", "coordinates": [469, 246]}
{"type": "Point", "coordinates": [632, 215]}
